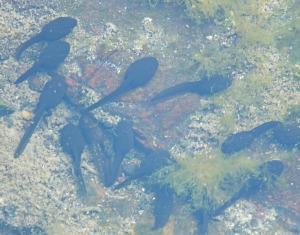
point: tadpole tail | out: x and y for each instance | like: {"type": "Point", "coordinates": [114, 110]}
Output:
{"type": "Point", "coordinates": [100, 162]}
{"type": "Point", "coordinates": [111, 168]}
{"type": "Point", "coordinates": [226, 205]}
{"type": "Point", "coordinates": [27, 74]}
{"type": "Point", "coordinates": [174, 91]}
{"type": "Point", "coordinates": [81, 188]}
{"type": "Point", "coordinates": [113, 96]}
{"type": "Point", "coordinates": [123, 184]}
{"type": "Point", "coordinates": [27, 44]}
{"type": "Point", "coordinates": [202, 217]}
{"type": "Point", "coordinates": [28, 133]}
{"type": "Point", "coordinates": [259, 130]}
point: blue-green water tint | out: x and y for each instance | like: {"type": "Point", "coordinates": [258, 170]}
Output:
{"type": "Point", "coordinates": [189, 39]}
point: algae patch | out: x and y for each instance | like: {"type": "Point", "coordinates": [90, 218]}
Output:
{"type": "Point", "coordinates": [206, 181]}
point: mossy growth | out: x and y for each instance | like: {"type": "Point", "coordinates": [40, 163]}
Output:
{"type": "Point", "coordinates": [245, 94]}
{"type": "Point", "coordinates": [257, 23]}
{"type": "Point", "coordinates": [250, 19]}
{"type": "Point", "coordinates": [295, 70]}
{"type": "Point", "coordinates": [289, 36]}
{"type": "Point", "coordinates": [228, 120]}
{"type": "Point", "coordinates": [207, 181]}
{"type": "Point", "coordinates": [221, 60]}
{"type": "Point", "coordinates": [246, 91]}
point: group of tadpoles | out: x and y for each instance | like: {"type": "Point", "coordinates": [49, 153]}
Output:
{"type": "Point", "coordinates": [123, 138]}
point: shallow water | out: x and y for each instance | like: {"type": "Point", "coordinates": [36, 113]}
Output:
{"type": "Point", "coordinates": [39, 191]}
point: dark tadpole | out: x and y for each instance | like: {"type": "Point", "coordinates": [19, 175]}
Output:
{"type": "Point", "coordinates": [73, 143]}
{"type": "Point", "coordinates": [202, 217]}
{"type": "Point", "coordinates": [138, 74]}
{"type": "Point", "coordinates": [255, 183]}
{"type": "Point", "coordinates": [248, 189]}
{"type": "Point", "coordinates": [242, 140]}
{"type": "Point", "coordinates": [52, 94]}
{"type": "Point", "coordinates": [54, 30]}
{"type": "Point", "coordinates": [123, 142]}
{"type": "Point", "coordinates": [287, 136]}
{"type": "Point", "coordinates": [261, 129]}
{"type": "Point", "coordinates": [237, 142]}
{"type": "Point", "coordinates": [271, 169]}
{"type": "Point", "coordinates": [205, 87]}
{"type": "Point", "coordinates": [162, 205]}
{"type": "Point", "coordinates": [96, 137]}
{"type": "Point", "coordinates": [149, 164]}
{"type": "Point", "coordinates": [49, 60]}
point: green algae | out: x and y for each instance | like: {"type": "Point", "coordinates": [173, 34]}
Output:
{"type": "Point", "coordinates": [289, 36]}
{"type": "Point", "coordinates": [225, 60]}
{"type": "Point", "coordinates": [291, 43]}
{"type": "Point", "coordinates": [206, 181]}
{"type": "Point", "coordinates": [222, 60]}
{"type": "Point", "coordinates": [267, 47]}
{"type": "Point", "coordinates": [250, 19]}
{"type": "Point", "coordinates": [255, 27]}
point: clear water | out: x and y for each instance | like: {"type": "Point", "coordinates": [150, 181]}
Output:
{"type": "Point", "coordinates": [136, 167]}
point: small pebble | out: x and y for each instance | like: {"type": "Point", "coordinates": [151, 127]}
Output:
{"type": "Point", "coordinates": [26, 115]}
